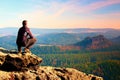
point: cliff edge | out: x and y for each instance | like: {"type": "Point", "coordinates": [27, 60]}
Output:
{"type": "Point", "coordinates": [26, 67]}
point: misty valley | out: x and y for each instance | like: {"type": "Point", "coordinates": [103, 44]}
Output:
{"type": "Point", "coordinates": [89, 50]}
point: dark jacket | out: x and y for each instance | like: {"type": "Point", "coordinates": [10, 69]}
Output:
{"type": "Point", "coordinates": [24, 34]}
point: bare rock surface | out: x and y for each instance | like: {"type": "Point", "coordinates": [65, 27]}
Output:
{"type": "Point", "coordinates": [15, 62]}
{"type": "Point", "coordinates": [26, 67]}
{"type": "Point", "coordinates": [47, 73]}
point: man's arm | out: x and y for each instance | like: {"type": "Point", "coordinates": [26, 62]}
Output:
{"type": "Point", "coordinates": [29, 33]}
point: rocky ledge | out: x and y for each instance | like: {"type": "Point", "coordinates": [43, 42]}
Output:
{"type": "Point", "coordinates": [15, 62]}
{"type": "Point", "coordinates": [26, 67]}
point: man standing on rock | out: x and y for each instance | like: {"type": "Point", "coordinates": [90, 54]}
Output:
{"type": "Point", "coordinates": [24, 38]}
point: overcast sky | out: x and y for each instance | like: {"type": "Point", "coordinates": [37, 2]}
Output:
{"type": "Point", "coordinates": [60, 13]}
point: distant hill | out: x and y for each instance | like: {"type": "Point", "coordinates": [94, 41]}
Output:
{"type": "Point", "coordinates": [116, 40]}
{"type": "Point", "coordinates": [107, 32]}
{"type": "Point", "coordinates": [8, 42]}
{"type": "Point", "coordinates": [62, 38]}
{"type": "Point", "coordinates": [58, 39]}
{"type": "Point", "coordinates": [55, 36]}
{"type": "Point", "coordinates": [96, 42]}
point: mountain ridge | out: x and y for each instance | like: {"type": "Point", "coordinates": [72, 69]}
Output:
{"type": "Point", "coordinates": [96, 42]}
{"type": "Point", "coordinates": [116, 40]}
{"type": "Point", "coordinates": [41, 31]}
{"type": "Point", "coordinates": [59, 39]}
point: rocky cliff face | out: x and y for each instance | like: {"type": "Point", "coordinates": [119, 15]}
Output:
{"type": "Point", "coordinates": [25, 67]}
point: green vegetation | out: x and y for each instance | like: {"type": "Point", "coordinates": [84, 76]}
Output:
{"type": "Point", "coordinates": [56, 50]}
{"type": "Point", "coordinates": [104, 64]}
{"type": "Point", "coordinates": [45, 49]}
{"type": "Point", "coordinates": [111, 69]}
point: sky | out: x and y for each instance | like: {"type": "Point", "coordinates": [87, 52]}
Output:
{"type": "Point", "coordinates": [60, 13]}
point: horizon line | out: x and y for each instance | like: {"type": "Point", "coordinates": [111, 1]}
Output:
{"type": "Point", "coordinates": [62, 28]}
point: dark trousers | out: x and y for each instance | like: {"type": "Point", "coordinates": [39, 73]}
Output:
{"type": "Point", "coordinates": [28, 45]}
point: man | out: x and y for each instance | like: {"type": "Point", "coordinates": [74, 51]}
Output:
{"type": "Point", "coordinates": [25, 38]}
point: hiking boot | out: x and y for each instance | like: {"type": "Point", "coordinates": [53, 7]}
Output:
{"type": "Point", "coordinates": [19, 53]}
{"type": "Point", "coordinates": [27, 50]}
{"type": "Point", "coordinates": [28, 53]}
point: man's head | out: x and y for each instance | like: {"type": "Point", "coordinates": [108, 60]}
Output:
{"type": "Point", "coordinates": [24, 22]}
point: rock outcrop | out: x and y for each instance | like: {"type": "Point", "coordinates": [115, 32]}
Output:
{"type": "Point", "coordinates": [47, 73]}
{"type": "Point", "coordinates": [26, 67]}
{"type": "Point", "coordinates": [97, 42]}
{"type": "Point", "coordinates": [14, 62]}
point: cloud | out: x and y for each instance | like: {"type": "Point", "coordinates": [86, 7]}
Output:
{"type": "Point", "coordinates": [58, 8]}
{"type": "Point", "coordinates": [76, 7]}
{"type": "Point", "coordinates": [101, 4]}
{"type": "Point", "coordinates": [50, 15]}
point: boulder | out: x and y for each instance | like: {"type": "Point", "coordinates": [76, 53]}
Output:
{"type": "Point", "coordinates": [26, 67]}
{"type": "Point", "coordinates": [48, 73]}
{"type": "Point", "coordinates": [15, 62]}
